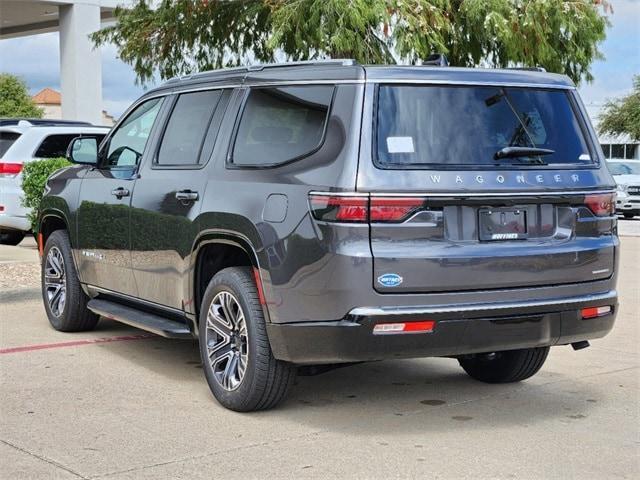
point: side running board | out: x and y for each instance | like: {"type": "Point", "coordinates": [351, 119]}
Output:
{"type": "Point", "coordinates": [139, 319]}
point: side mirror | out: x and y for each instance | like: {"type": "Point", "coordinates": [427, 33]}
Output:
{"type": "Point", "coordinates": [83, 150]}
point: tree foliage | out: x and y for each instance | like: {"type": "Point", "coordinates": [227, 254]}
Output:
{"type": "Point", "coordinates": [34, 178]}
{"type": "Point", "coordinates": [623, 115]}
{"type": "Point", "coordinates": [181, 36]}
{"type": "Point", "coordinates": [15, 100]}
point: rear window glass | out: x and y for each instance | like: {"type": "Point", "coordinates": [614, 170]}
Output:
{"type": "Point", "coordinates": [6, 140]}
{"type": "Point", "coordinates": [55, 146]}
{"type": "Point", "coordinates": [467, 126]}
{"type": "Point", "coordinates": [281, 124]}
{"type": "Point", "coordinates": [184, 135]}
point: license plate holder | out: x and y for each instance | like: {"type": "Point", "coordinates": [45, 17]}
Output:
{"type": "Point", "coordinates": [500, 224]}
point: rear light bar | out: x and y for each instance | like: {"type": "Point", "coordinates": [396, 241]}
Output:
{"type": "Point", "coordinates": [10, 169]}
{"type": "Point", "coordinates": [594, 312]}
{"type": "Point", "coordinates": [361, 209]}
{"type": "Point", "coordinates": [601, 204]}
{"type": "Point", "coordinates": [426, 326]}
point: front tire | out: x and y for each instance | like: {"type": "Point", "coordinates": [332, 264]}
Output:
{"type": "Point", "coordinates": [628, 215]}
{"type": "Point", "coordinates": [64, 300]}
{"type": "Point", "coordinates": [505, 367]}
{"type": "Point", "coordinates": [238, 363]}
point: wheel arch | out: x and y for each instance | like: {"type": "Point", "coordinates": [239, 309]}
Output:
{"type": "Point", "coordinates": [213, 251]}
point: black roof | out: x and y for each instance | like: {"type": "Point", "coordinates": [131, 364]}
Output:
{"type": "Point", "coordinates": [350, 70]}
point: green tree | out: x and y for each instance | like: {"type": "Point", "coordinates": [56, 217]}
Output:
{"type": "Point", "coordinates": [622, 115]}
{"type": "Point", "coordinates": [15, 100]}
{"type": "Point", "coordinates": [177, 37]}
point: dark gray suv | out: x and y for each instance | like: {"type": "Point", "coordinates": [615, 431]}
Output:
{"type": "Point", "coordinates": [327, 213]}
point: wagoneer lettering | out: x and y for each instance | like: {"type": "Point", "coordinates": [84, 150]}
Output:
{"type": "Point", "coordinates": [329, 213]}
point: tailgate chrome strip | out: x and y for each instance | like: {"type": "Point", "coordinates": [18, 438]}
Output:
{"type": "Point", "coordinates": [473, 307]}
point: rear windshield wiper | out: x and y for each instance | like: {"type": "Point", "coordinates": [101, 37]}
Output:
{"type": "Point", "coordinates": [512, 152]}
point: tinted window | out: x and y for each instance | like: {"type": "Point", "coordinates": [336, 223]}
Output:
{"type": "Point", "coordinates": [6, 140]}
{"type": "Point", "coordinates": [184, 135]}
{"type": "Point", "coordinates": [281, 124]}
{"type": "Point", "coordinates": [56, 145]}
{"type": "Point", "coordinates": [617, 151]}
{"type": "Point", "coordinates": [433, 125]}
{"type": "Point", "coordinates": [128, 142]}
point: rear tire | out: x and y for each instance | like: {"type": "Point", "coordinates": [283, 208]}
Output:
{"type": "Point", "coordinates": [505, 367]}
{"type": "Point", "coordinates": [237, 360]}
{"type": "Point", "coordinates": [64, 300]}
{"type": "Point", "coordinates": [11, 238]}
{"type": "Point", "coordinates": [628, 215]}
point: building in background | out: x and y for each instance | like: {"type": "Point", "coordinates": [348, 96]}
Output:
{"type": "Point", "coordinates": [621, 146]}
{"type": "Point", "coordinates": [50, 101]}
{"type": "Point", "coordinates": [80, 64]}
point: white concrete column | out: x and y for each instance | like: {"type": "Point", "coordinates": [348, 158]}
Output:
{"type": "Point", "coordinates": [80, 66]}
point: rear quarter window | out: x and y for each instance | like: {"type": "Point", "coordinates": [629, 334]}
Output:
{"type": "Point", "coordinates": [281, 124]}
{"type": "Point", "coordinates": [6, 140]}
{"type": "Point", "coordinates": [458, 126]}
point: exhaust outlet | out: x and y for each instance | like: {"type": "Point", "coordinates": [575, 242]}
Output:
{"type": "Point", "coordinates": [580, 345]}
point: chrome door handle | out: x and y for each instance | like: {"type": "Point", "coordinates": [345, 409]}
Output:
{"type": "Point", "coordinates": [186, 196]}
{"type": "Point", "coordinates": [120, 192]}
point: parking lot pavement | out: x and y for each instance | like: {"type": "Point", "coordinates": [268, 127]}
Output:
{"type": "Point", "coordinates": [137, 406]}
{"type": "Point", "coordinates": [629, 227]}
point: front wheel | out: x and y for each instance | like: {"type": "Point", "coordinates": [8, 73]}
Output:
{"type": "Point", "coordinates": [236, 355]}
{"type": "Point", "coordinates": [64, 300]}
{"type": "Point", "coordinates": [505, 367]}
{"type": "Point", "coordinates": [628, 215]}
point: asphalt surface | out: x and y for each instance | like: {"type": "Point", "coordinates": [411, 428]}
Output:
{"type": "Point", "coordinates": [118, 403]}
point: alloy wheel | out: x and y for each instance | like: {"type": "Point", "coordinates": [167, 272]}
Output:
{"type": "Point", "coordinates": [227, 341]}
{"type": "Point", "coordinates": [55, 284]}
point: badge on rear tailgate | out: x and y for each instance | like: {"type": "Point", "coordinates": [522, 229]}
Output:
{"type": "Point", "coordinates": [390, 280]}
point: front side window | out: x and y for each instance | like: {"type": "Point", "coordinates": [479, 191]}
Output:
{"type": "Point", "coordinates": [280, 124]}
{"type": "Point", "coordinates": [128, 142]}
{"type": "Point", "coordinates": [477, 126]}
{"type": "Point", "coordinates": [185, 131]}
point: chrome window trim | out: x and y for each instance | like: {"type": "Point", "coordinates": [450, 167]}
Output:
{"type": "Point", "coordinates": [473, 307]}
{"type": "Point", "coordinates": [466, 194]}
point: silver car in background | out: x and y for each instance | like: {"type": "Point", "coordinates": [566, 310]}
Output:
{"type": "Point", "coordinates": [627, 176]}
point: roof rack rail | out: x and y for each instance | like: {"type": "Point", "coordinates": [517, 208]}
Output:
{"type": "Point", "coordinates": [529, 69]}
{"type": "Point", "coordinates": [436, 60]}
{"type": "Point", "coordinates": [346, 62]}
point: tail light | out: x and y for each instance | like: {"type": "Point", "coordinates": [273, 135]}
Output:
{"type": "Point", "coordinates": [336, 208]}
{"type": "Point", "coordinates": [360, 209]}
{"type": "Point", "coordinates": [601, 204]}
{"type": "Point", "coordinates": [10, 169]}
{"type": "Point", "coordinates": [393, 209]}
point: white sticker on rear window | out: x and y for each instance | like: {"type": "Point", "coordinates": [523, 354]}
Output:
{"type": "Point", "coordinates": [400, 144]}
{"type": "Point", "coordinates": [584, 157]}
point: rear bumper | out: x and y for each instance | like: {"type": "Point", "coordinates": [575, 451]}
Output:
{"type": "Point", "coordinates": [459, 330]}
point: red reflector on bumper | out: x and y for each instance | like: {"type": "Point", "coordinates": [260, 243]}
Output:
{"type": "Point", "coordinates": [593, 312]}
{"type": "Point", "coordinates": [406, 327]}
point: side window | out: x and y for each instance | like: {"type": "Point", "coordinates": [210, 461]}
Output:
{"type": "Point", "coordinates": [185, 132]}
{"type": "Point", "coordinates": [127, 144]}
{"type": "Point", "coordinates": [280, 124]}
{"type": "Point", "coordinates": [55, 146]}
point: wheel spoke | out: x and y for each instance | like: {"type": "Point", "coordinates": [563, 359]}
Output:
{"type": "Point", "coordinates": [227, 340]}
{"type": "Point", "coordinates": [54, 281]}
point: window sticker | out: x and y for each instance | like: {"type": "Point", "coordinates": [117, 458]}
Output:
{"type": "Point", "coordinates": [400, 145]}
{"type": "Point", "coordinates": [584, 157]}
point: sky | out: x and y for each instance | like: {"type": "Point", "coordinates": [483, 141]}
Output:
{"type": "Point", "coordinates": [36, 59]}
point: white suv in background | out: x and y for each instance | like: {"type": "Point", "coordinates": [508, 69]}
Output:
{"type": "Point", "coordinates": [22, 141]}
{"type": "Point", "coordinates": [627, 176]}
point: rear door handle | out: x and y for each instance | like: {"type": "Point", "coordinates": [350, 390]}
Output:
{"type": "Point", "coordinates": [186, 196]}
{"type": "Point", "coordinates": [120, 192]}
